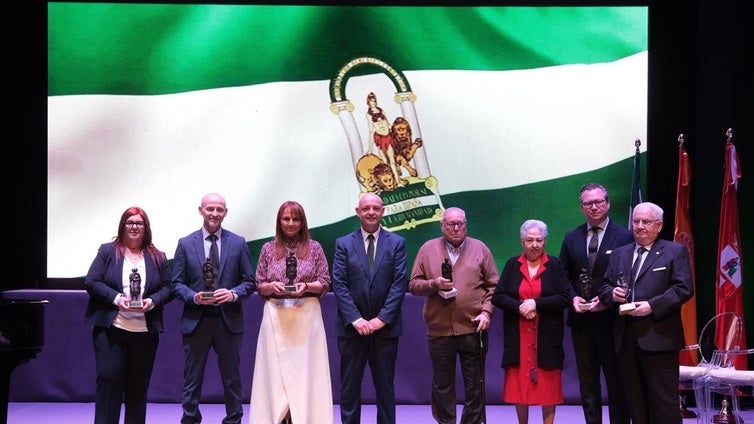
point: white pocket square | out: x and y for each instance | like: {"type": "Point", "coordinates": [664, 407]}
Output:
{"type": "Point", "coordinates": [607, 252]}
{"type": "Point", "coordinates": [662, 268]}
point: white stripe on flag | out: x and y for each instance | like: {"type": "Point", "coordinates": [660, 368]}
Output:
{"type": "Point", "coordinates": [261, 145]}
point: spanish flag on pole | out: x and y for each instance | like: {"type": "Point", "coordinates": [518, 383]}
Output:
{"type": "Point", "coordinates": [684, 236]}
{"type": "Point", "coordinates": [729, 290]}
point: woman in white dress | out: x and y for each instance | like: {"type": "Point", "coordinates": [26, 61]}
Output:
{"type": "Point", "coordinates": [292, 371]}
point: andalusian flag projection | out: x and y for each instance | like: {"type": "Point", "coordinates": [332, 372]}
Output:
{"type": "Point", "coordinates": [502, 111]}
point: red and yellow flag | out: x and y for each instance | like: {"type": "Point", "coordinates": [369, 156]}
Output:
{"type": "Point", "coordinates": [684, 236]}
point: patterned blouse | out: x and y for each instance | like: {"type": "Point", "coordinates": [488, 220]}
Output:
{"type": "Point", "coordinates": [310, 269]}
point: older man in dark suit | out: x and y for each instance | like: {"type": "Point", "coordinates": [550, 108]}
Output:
{"type": "Point", "coordinates": [369, 281]}
{"type": "Point", "coordinates": [649, 330]}
{"type": "Point", "coordinates": [214, 321]}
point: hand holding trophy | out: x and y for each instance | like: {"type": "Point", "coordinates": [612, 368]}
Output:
{"type": "Point", "coordinates": [447, 273]}
{"type": "Point", "coordinates": [134, 280]}
{"type": "Point", "coordinates": [629, 304]}
{"type": "Point", "coordinates": [209, 280]}
{"type": "Point", "coordinates": [586, 290]}
{"type": "Point", "coordinates": [291, 265]}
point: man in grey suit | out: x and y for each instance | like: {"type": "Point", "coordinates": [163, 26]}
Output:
{"type": "Point", "coordinates": [369, 293]}
{"type": "Point", "coordinates": [649, 332]}
{"type": "Point", "coordinates": [214, 321]}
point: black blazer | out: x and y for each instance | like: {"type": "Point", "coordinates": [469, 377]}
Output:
{"type": "Point", "coordinates": [104, 281]}
{"type": "Point", "coordinates": [573, 254]}
{"type": "Point", "coordinates": [554, 298]}
{"type": "Point", "coordinates": [665, 281]}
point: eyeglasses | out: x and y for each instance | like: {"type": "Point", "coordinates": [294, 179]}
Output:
{"type": "Point", "coordinates": [460, 225]}
{"type": "Point", "coordinates": [598, 203]}
{"type": "Point", "coordinates": [643, 222]}
{"type": "Point", "coordinates": [132, 224]}
{"type": "Point", "coordinates": [532, 240]}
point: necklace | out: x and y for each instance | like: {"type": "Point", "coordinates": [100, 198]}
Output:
{"type": "Point", "coordinates": [291, 242]}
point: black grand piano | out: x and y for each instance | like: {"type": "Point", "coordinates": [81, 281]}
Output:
{"type": "Point", "coordinates": [21, 338]}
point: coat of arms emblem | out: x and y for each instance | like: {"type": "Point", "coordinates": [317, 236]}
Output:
{"type": "Point", "coordinates": [391, 160]}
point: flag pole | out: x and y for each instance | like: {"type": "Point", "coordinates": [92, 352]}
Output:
{"type": "Point", "coordinates": [635, 185]}
{"type": "Point", "coordinates": [683, 235]}
{"type": "Point", "coordinates": [729, 278]}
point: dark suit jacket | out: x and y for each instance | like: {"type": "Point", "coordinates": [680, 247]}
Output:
{"type": "Point", "coordinates": [104, 281]}
{"type": "Point", "coordinates": [361, 294]}
{"type": "Point", "coordinates": [573, 254]}
{"type": "Point", "coordinates": [555, 297]}
{"type": "Point", "coordinates": [235, 273]}
{"type": "Point", "coordinates": [665, 281]}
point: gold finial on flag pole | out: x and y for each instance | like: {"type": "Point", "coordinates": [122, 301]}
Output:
{"type": "Point", "coordinates": [681, 140]}
{"type": "Point", "coordinates": [729, 133]}
{"type": "Point", "coordinates": [637, 143]}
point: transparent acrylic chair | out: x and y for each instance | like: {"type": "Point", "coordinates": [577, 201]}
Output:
{"type": "Point", "coordinates": [722, 333]}
{"type": "Point", "coordinates": [722, 377]}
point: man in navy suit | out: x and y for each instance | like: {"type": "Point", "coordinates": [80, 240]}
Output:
{"type": "Point", "coordinates": [649, 334]}
{"type": "Point", "coordinates": [216, 321]}
{"type": "Point", "coordinates": [592, 326]}
{"type": "Point", "coordinates": [369, 295]}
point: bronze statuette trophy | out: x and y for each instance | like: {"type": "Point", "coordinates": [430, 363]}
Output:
{"type": "Point", "coordinates": [586, 290]}
{"type": "Point", "coordinates": [134, 280]}
{"type": "Point", "coordinates": [628, 290]}
{"type": "Point", "coordinates": [726, 416]}
{"type": "Point", "coordinates": [209, 280]}
{"type": "Point", "coordinates": [447, 273]}
{"type": "Point", "coordinates": [291, 265]}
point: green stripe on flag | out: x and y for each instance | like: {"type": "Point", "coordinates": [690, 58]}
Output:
{"type": "Point", "coordinates": [104, 48]}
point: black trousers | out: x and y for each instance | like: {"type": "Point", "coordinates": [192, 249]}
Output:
{"type": "Point", "coordinates": [594, 351]}
{"type": "Point", "coordinates": [124, 362]}
{"type": "Point", "coordinates": [471, 351]}
{"type": "Point", "coordinates": [650, 380]}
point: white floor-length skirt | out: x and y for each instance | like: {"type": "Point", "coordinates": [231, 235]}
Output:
{"type": "Point", "coordinates": [292, 369]}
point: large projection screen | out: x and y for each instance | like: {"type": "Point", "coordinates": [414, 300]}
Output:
{"type": "Point", "coordinates": [511, 111]}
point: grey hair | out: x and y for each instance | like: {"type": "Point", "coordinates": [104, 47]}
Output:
{"type": "Point", "coordinates": [534, 223]}
{"type": "Point", "coordinates": [453, 209]}
{"type": "Point", "coordinates": [656, 210]}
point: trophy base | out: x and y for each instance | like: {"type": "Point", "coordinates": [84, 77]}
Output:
{"type": "Point", "coordinates": [447, 294]}
{"type": "Point", "coordinates": [208, 295]}
{"type": "Point", "coordinates": [289, 287]}
{"type": "Point", "coordinates": [626, 308]}
{"type": "Point", "coordinates": [136, 304]}
{"type": "Point", "coordinates": [685, 413]}
{"type": "Point", "coordinates": [726, 419]}
{"type": "Point", "coordinates": [585, 306]}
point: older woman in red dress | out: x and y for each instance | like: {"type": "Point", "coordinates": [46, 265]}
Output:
{"type": "Point", "coordinates": [533, 291]}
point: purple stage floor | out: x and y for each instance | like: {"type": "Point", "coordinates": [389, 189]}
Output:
{"type": "Point", "coordinates": [165, 413]}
